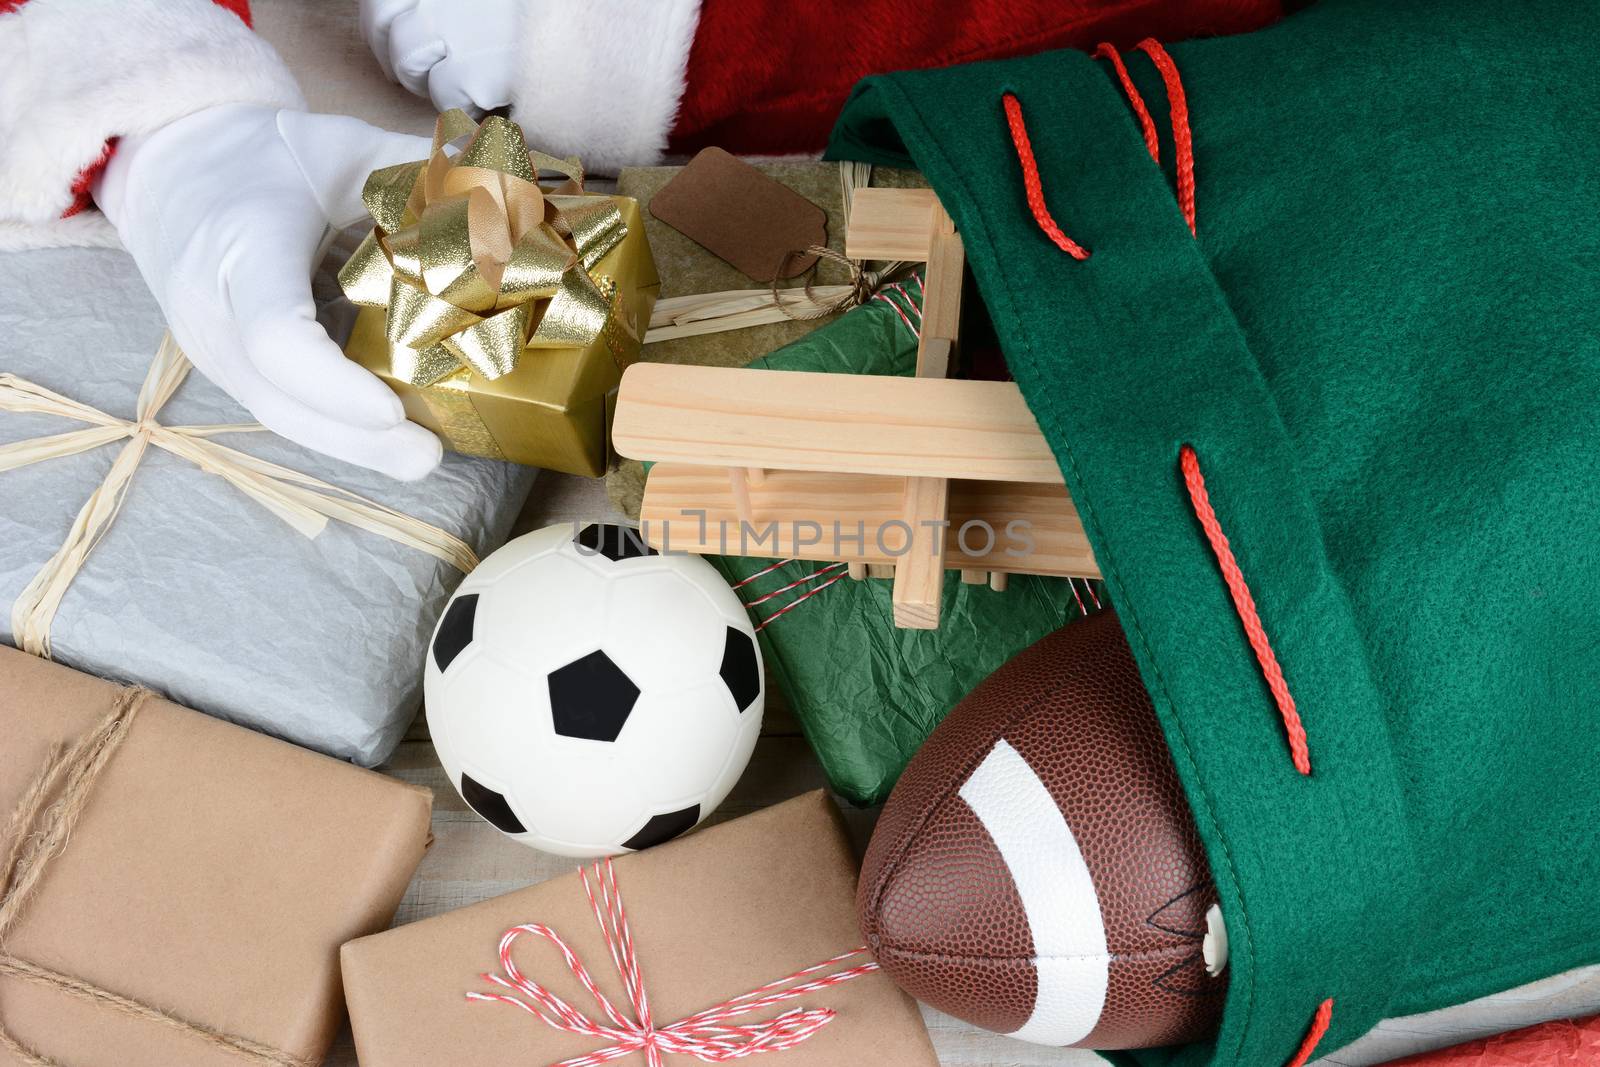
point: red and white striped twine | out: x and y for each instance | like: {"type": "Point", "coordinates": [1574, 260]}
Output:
{"type": "Point", "coordinates": [836, 572]}
{"type": "Point", "coordinates": [704, 1035]}
{"type": "Point", "coordinates": [833, 572]}
{"type": "Point", "coordinates": [911, 312]}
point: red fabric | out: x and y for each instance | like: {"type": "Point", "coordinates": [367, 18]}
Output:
{"type": "Point", "coordinates": [238, 7]}
{"type": "Point", "coordinates": [769, 77]}
{"type": "Point", "coordinates": [1566, 1043]}
{"type": "Point", "coordinates": [84, 182]}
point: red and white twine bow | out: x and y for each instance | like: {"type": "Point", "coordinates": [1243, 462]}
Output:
{"type": "Point", "coordinates": [704, 1035]}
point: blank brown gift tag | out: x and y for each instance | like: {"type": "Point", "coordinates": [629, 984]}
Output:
{"type": "Point", "coordinates": [741, 215]}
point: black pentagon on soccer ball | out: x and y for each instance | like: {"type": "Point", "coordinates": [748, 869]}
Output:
{"type": "Point", "coordinates": [455, 630]}
{"type": "Point", "coordinates": [740, 670]}
{"type": "Point", "coordinates": [591, 698]}
{"type": "Point", "coordinates": [615, 543]}
{"type": "Point", "coordinates": [492, 806]}
{"type": "Point", "coordinates": [663, 827]}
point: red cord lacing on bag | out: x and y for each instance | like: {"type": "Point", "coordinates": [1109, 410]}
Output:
{"type": "Point", "coordinates": [1314, 1036]}
{"type": "Point", "coordinates": [1030, 182]}
{"type": "Point", "coordinates": [1245, 605]}
{"type": "Point", "coordinates": [1183, 142]}
{"type": "Point", "coordinates": [1107, 50]}
{"type": "Point", "coordinates": [1178, 107]}
{"type": "Point", "coordinates": [1243, 602]}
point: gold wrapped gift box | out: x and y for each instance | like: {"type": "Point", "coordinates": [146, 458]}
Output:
{"type": "Point", "coordinates": [553, 410]}
{"type": "Point", "coordinates": [502, 313]}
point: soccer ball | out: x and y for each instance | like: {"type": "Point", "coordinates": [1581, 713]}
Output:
{"type": "Point", "coordinates": [589, 696]}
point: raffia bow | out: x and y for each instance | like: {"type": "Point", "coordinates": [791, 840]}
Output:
{"type": "Point", "coordinates": [475, 262]}
{"type": "Point", "coordinates": [304, 502]}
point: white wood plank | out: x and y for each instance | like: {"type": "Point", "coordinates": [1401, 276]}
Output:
{"type": "Point", "coordinates": [802, 420]}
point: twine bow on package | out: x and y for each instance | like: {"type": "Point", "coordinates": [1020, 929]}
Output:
{"type": "Point", "coordinates": [664, 958]}
{"type": "Point", "coordinates": [150, 533]}
{"type": "Point", "coordinates": [502, 313]}
{"type": "Point", "coordinates": [1312, 313]}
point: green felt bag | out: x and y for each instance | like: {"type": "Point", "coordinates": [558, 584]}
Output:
{"type": "Point", "coordinates": [865, 692]}
{"type": "Point", "coordinates": [1384, 348]}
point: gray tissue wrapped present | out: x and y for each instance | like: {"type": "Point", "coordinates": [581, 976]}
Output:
{"type": "Point", "coordinates": [196, 589]}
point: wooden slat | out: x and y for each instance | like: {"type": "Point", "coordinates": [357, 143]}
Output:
{"type": "Point", "coordinates": [739, 486]}
{"type": "Point", "coordinates": [802, 506]}
{"type": "Point", "coordinates": [891, 224]}
{"type": "Point", "coordinates": [919, 573]}
{"type": "Point", "coordinates": [856, 424]}
{"type": "Point", "coordinates": [941, 301]}
{"type": "Point", "coordinates": [934, 355]}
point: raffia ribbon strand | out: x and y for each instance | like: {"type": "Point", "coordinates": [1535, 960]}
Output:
{"type": "Point", "coordinates": [706, 1035]}
{"type": "Point", "coordinates": [37, 831]}
{"type": "Point", "coordinates": [304, 502]}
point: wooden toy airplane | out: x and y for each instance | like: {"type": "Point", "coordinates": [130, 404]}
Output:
{"type": "Point", "coordinates": [901, 477]}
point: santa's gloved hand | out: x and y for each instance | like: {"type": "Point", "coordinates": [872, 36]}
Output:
{"type": "Point", "coordinates": [225, 212]}
{"type": "Point", "coordinates": [458, 53]}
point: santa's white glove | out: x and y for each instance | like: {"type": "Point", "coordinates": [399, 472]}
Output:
{"type": "Point", "coordinates": [458, 53]}
{"type": "Point", "coordinates": [225, 212]}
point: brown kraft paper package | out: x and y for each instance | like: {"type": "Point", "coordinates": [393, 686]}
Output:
{"type": "Point", "coordinates": [713, 915]}
{"type": "Point", "coordinates": [211, 875]}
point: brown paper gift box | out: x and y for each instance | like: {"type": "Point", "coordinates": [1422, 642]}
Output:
{"type": "Point", "coordinates": [212, 875]}
{"type": "Point", "coordinates": [552, 411]}
{"type": "Point", "coordinates": [713, 915]}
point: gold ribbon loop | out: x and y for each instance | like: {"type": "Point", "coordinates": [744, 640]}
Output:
{"type": "Point", "coordinates": [474, 262]}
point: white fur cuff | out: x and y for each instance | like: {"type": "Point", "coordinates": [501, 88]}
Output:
{"type": "Point", "coordinates": [75, 73]}
{"type": "Point", "coordinates": [602, 79]}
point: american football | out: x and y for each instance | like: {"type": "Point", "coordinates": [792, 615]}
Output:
{"type": "Point", "coordinates": [588, 695]}
{"type": "Point", "coordinates": [1037, 871]}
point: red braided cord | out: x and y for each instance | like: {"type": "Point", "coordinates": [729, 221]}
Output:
{"type": "Point", "coordinates": [1245, 605]}
{"type": "Point", "coordinates": [1178, 109]}
{"type": "Point", "coordinates": [1314, 1036]}
{"type": "Point", "coordinates": [1032, 184]}
{"type": "Point", "coordinates": [1107, 50]}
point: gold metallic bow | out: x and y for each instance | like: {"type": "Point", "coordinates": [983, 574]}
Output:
{"type": "Point", "coordinates": [474, 261]}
